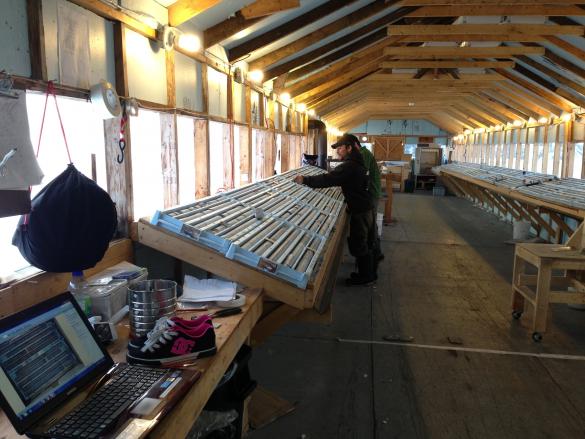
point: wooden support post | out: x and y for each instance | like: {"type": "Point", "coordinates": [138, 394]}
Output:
{"type": "Point", "coordinates": [169, 159]}
{"type": "Point", "coordinates": [201, 158]}
{"type": "Point", "coordinates": [36, 39]}
{"type": "Point", "coordinates": [389, 199]}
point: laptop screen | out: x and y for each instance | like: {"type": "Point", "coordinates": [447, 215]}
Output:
{"type": "Point", "coordinates": [46, 352]}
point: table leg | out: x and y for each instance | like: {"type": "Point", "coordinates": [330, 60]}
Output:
{"type": "Point", "coordinates": [518, 302]}
{"type": "Point", "coordinates": [542, 296]}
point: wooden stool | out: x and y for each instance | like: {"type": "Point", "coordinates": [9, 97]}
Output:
{"type": "Point", "coordinates": [538, 289]}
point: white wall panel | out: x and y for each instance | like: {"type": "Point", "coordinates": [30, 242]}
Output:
{"type": "Point", "coordinates": [188, 83]}
{"type": "Point", "coordinates": [101, 42]}
{"type": "Point", "coordinates": [146, 65]}
{"type": "Point", "coordinates": [14, 34]}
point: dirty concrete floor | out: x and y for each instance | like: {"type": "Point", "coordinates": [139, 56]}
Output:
{"type": "Point", "coordinates": [445, 282]}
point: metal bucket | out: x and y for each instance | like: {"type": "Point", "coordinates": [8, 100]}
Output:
{"type": "Point", "coordinates": [148, 301]}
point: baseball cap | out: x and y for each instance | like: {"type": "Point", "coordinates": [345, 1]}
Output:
{"type": "Point", "coordinates": [346, 139]}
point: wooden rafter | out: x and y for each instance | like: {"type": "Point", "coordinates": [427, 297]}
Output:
{"type": "Point", "coordinates": [322, 33]}
{"type": "Point", "coordinates": [505, 10]}
{"type": "Point", "coordinates": [484, 29]}
{"type": "Point", "coordinates": [487, 2]}
{"type": "Point", "coordinates": [538, 88]}
{"type": "Point", "coordinates": [438, 52]}
{"type": "Point", "coordinates": [287, 28]}
{"type": "Point", "coordinates": [261, 8]}
{"type": "Point", "coordinates": [450, 64]}
{"type": "Point", "coordinates": [355, 36]}
{"type": "Point", "coordinates": [183, 10]}
{"type": "Point", "coordinates": [552, 74]}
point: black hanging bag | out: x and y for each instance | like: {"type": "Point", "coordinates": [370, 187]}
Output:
{"type": "Point", "coordinates": [71, 222]}
{"type": "Point", "coordinates": [70, 225]}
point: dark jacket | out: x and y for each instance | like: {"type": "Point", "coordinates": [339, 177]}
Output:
{"type": "Point", "coordinates": [352, 176]}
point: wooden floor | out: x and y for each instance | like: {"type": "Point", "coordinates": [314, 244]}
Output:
{"type": "Point", "coordinates": [445, 282]}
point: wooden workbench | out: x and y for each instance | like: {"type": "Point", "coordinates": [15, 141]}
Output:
{"type": "Point", "coordinates": [230, 336]}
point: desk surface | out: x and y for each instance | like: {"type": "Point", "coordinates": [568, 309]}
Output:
{"type": "Point", "coordinates": [230, 336]}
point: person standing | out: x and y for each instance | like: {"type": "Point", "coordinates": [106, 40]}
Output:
{"type": "Point", "coordinates": [375, 189]}
{"type": "Point", "coordinates": [351, 175]}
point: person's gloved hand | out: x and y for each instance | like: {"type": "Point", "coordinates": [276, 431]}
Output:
{"type": "Point", "coordinates": [299, 179]}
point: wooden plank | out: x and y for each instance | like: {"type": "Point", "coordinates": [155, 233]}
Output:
{"type": "Point", "coordinates": [188, 251]}
{"type": "Point", "coordinates": [487, 2]}
{"type": "Point", "coordinates": [118, 16]}
{"type": "Point", "coordinates": [567, 47]}
{"type": "Point", "coordinates": [225, 29]}
{"type": "Point", "coordinates": [454, 64]}
{"type": "Point", "coordinates": [39, 287]}
{"type": "Point", "coordinates": [183, 10]}
{"type": "Point", "coordinates": [459, 38]}
{"type": "Point", "coordinates": [116, 174]}
{"type": "Point", "coordinates": [170, 70]}
{"type": "Point", "coordinates": [261, 8]}
{"type": "Point", "coordinates": [481, 10]}
{"type": "Point", "coordinates": [201, 158]}
{"type": "Point", "coordinates": [550, 73]}
{"type": "Point", "coordinates": [320, 34]}
{"type": "Point", "coordinates": [36, 39]}
{"type": "Point", "coordinates": [245, 156]}
{"type": "Point", "coordinates": [169, 161]}
{"type": "Point", "coordinates": [484, 29]}
{"type": "Point", "coordinates": [229, 338]}
{"type": "Point", "coordinates": [543, 93]}
{"type": "Point", "coordinates": [461, 52]}
{"type": "Point", "coordinates": [287, 28]}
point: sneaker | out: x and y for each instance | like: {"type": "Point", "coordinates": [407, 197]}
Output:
{"type": "Point", "coordinates": [165, 323]}
{"type": "Point", "coordinates": [174, 345]}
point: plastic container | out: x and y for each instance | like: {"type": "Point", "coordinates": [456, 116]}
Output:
{"type": "Point", "coordinates": [521, 230]}
{"type": "Point", "coordinates": [108, 299]}
{"type": "Point", "coordinates": [438, 191]}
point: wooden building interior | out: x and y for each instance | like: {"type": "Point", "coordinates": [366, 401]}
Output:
{"type": "Point", "coordinates": [468, 333]}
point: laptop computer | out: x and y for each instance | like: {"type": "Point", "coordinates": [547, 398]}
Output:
{"type": "Point", "coordinates": [57, 380]}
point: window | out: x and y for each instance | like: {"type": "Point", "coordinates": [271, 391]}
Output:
{"type": "Point", "coordinates": [186, 158]}
{"type": "Point", "coordinates": [147, 177]}
{"type": "Point", "coordinates": [85, 137]}
{"type": "Point", "coordinates": [578, 163]}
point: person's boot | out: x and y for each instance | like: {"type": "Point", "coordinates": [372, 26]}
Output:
{"type": "Point", "coordinates": [366, 274]}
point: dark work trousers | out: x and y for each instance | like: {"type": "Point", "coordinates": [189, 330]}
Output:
{"type": "Point", "coordinates": [361, 234]}
{"type": "Point", "coordinates": [377, 249]}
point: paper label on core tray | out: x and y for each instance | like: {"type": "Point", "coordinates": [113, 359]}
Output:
{"type": "Point", "coordinates": [207, 290]}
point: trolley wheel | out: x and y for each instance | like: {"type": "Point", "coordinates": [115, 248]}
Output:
{"type": "Point", "coordinates": [516, 314]}
{"type": "Point", "coordinates": [537, 337]}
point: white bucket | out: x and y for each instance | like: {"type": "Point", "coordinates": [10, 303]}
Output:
{"type": "Point", "coordinates": [379, 223]}
{"type": "Point", "coordinates": [521, 230]}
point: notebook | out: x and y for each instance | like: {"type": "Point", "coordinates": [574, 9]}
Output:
{"type": "Point", "coordinates": [50, 357]}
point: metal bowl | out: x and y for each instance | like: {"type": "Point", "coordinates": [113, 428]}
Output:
{"type": "Point", "coordinates": [152, 291]}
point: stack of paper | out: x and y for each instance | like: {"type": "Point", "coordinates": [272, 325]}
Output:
{"type": "Point", "coordinates": [207, 290]}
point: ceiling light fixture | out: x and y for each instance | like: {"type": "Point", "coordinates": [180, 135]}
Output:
{"type": "Point", "coordinates": [543, 120]}
{"type": "Point", "coordinates": [256, 76]}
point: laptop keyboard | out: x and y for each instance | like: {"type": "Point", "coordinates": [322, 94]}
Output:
{"type": "Point", "coordinates": [99, 413]}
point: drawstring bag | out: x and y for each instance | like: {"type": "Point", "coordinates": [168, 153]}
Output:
{"type": "Point", "coordinates": [71, 222]}
{"type": "Point", "coordinates": [70, 225]}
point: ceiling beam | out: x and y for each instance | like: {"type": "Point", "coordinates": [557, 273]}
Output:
{"type": "Point", "coordinates": [495, 10]}
{"type": "Point", "coordinates": [342, 41]}
{"type": "Point", "coordinates": [452, 64]}
{"type": "Point", "coordinates": [494, 106]}
{"type": "Point", "coordinates": [532, 97]}
{"type": "Point", "coordinates": [544, 90]}
{"type": "Point", "coordinates": [526, 103]}
{"type": "Point", "coordinates": [552, 74]}
{"type": "Point", "coordinates": [464, 79]}
{"type": "Point", "coordinates": [567, 47]}
{"type": "Point", "coordinates": [458, 38]}
{"type": "Point", "coordinates": [287, 28]}
{"type": "Point", "coordinates": [231, 26]}
{"type": "Point", "coordinates": [512, 104]}
{"type": "Point", "coordinates": [489, 2]}
{"type": "Point", "coordinates": [183, 10]}
{"type": "Point", "coordinates": [331, 73]}
{"type": "Point", "coordinates": [357, 46]}
{"type": "Point", "coordinates": [322, 33]}
{"type": "Point", "coordinates": [461, 52]}
{"type": "Point", "coordinates": [261, 8]}
{"type": "Point", "coordinates": [483, 29]}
